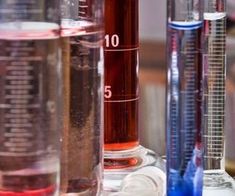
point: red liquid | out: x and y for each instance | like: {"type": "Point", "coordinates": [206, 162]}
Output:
{"type": "Point", "coordinates": [122, 163]}
{"type": "Point", "coordinates": [29, 185]}
{"type": "Point", "coordinates": [49, 191]}
{"type": "Point", "coordinates": [121, 74]}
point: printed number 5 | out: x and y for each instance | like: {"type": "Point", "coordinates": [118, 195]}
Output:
{"type": "Point", "coordinates": [107, 92]}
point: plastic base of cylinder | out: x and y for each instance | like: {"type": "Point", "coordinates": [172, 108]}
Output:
{"type": "Point", "coordinates": [218, 183]}
{"type": "Point", "coordinates": [118, 164]}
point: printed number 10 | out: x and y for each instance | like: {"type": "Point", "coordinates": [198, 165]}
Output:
{"type": "Point", "coordinates": [112, 40]}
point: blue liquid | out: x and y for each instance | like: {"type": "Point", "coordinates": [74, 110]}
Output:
{"type": "Point", "coordinates": [184, 157]}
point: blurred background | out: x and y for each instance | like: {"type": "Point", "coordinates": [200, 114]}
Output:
{"type": "Point", "coordinates": [152, 16]}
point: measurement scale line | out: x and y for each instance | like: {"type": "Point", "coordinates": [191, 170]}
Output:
{"type": "Point", "coordinates": [215, 151]}
{"type": "Point", "coordinates": [216, 63]}
{"type": "Point", "coordinates": [213, 62]}
{"type": "Point", "coordinates": [214, 81]}
{"type": "Point", "coordinates": [19, 125]}
{"type": "Point", "coordinates": [210, 55]}
{"type": "Point", "coordinates": [119, 101]}
{"type": "Point", "coordinates": [219, 45]}
{"type": "Point", "coordinates": [216, 106]}
{"type": "Point", "coordinates": [217, 35]}
{"type": "Point", "coordinates": [21, 77]}
{"type": "Point", "coordinates": [23, 68]}
{"type": "Point", "coordinates": [216, 147]}
{"type": "Point", "coordinates": [215, 72]}
{"type": "Point", "coordinates": [212, 107]}
{"type": "Point", "coordinates": [214, 136]}
{"type": "Point", "coordinates": [216, 89]}
{"type": "Point", "coordinates": [18, 116]}
{"type": "Point", "coordinates": [212, 146]}
{"type": "Point", "coordinates": [215, 122]}
{"type": "Point", "coordinates": [128, 49]}
{"type": "Point", "coordinates": [213, 157]}
{"type": "Point", "coordinates": [19, 105]}
{"type": "Point", "coordinates": [10, 154]}
{"type": "Point", "coordinates": [82, 12]}
{"type": "Point", "coordinates": [214, 96]}
{"type": "Point", "coordinates": [19, 87]}
{"type": "Point", "coordinates": [18, 58]}
{"type": "Point", "coordinates": [19, 97]}
{"type": "Point", "coordinates": [216, 128]}
{"type": "Point", "coordinates": [214, 115]}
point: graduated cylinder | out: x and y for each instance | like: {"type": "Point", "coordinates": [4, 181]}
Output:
{"type": "Point", "coordinates": [121, 75]}
{"type": "Point", "coordinates": [214, 83]}
{"type": "Point", "coordinates": [183, 120]}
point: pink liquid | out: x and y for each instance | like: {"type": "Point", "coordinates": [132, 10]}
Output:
{"type": "Point", "coordinates": [29, 30]}
{"type": "Point", "coordinates": [49, 191]}
{"type": "Point", "coordinates": [29, 162]}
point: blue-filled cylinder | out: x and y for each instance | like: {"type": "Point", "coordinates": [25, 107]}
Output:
{"type": "Point", "coordinates": [184, 75]}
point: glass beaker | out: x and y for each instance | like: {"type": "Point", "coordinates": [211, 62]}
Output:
{"type": "Point", "coordinates": [29, 97]}
{"type": "Point", "coordinates": [82, 54]}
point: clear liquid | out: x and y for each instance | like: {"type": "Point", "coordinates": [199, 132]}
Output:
{"type": "Point", "coordinates": [183, 109]}
{"type": "Point", "coordinates": [214, 89]}
{"type": "Point", "coordinates": [29, 125]}
{"type": "Point", "coordinates": [82, 138]}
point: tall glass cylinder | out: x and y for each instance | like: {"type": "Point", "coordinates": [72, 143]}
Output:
{"type": "Point", "coordinates": [214, 83]}
{"type": "Point", "coordinates": [121, 130]}
{"type": "Point", "coordinates": [183, 120]}
{"type": "Point", "coordinates": [121, 74]}
{"type": "Point", "coordinates": [123, 153]}
{"type": "Point", "coordinates": [82, 54]}
{"type": "Point", "coordinates": [29, 97]}
{"type": "Point", "coordinates": [214, 67]}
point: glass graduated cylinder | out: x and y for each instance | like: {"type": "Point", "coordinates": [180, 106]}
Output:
{"type": "Point", "coordinates": [184, 164]}
{"type": "Point", "coordinates": [83, 109]}
{"type": "Point", "coordinates": [29, 108]}
{"type": "Point", "coordinates": [121, 75]}
{"type": "Point", "coordinates": [214, 89]}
